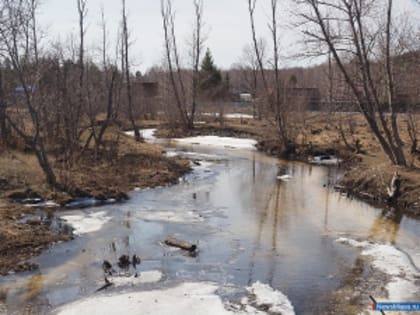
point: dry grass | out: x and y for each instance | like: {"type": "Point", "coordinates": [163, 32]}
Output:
{"type": "Point", "coordinates": [109, 174]}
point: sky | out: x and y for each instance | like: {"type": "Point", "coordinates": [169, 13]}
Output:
{"type": "Point", "coordinates": [227, 27]}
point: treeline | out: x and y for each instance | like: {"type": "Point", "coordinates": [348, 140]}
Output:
{"type": "Point", "coordinates": [59, 102]}
{"type": "Point", "coordinates": [55, 105]}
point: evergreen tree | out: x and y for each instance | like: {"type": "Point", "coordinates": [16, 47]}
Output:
{"type": "Point", "coordinates": [210, 75]}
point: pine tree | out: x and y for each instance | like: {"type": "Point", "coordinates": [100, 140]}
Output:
{"type": "Point", "coordinates": [210, 75]}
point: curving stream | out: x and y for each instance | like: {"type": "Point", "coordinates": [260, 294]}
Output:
{"type": "Point", "coordinates": [324, 252]}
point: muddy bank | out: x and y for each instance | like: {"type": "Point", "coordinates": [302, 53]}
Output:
{"type": "Point", "coordinates": [22, 237]}
{"type": "Point", "coordinates": [101, 178]}
{"type": "Point", "coordinates": [365, 177]}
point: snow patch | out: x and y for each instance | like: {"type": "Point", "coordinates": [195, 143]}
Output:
{"type": "Point", "coordinates": [239, 115]}
{"type": "Point", "coordinates": [147, 134]}
{"type": "Point", "coordinates": [45, 204]}
{"type": "Point", "coordinates": [276, 301]}
{"type": "Point", "coordinates": [202, 165]}
{"type": "Point", "coordinates": [230, 116]}
{"type": "Point", "coordinates": [89, 223]}
{"type": "Point", "coordinates": [392, 262]}
{"type": "Point", "coordinates": [325, 160]}
{"type": "Point", "coordinates": [353, 243]}
{"type": "Point", "coordinates": [224, 142]}
{"type": "Point", "coordinates": [284, 178]}
{"type": "Point", "coordinates": [172, 154]}
{"type": "Point", "coordinates": [198, 156]}
{"type": "Point", "coordinates": [170, 216]}
{"type": "Point", "coordinates": [187, 298]}
{"type": "Point", "coordinates": [145, 277]}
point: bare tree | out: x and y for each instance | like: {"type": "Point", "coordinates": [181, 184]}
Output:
{"type": "Point", "coordinates": [197, 47]}
{"type": "Point", "coordinates": [19, 43]}
{"type": "Point", "coordinates": [348, 29]}
{"type": "Point", "coordinates": [277, 92]}
{"type": "Point", "coordinates": [110, 74]}
{"type": "Point", "coordinates": [173, 66]}
{"type": "Point", "coordinates": [126, 67]}
{"type": "Point", "coordinates": [82, 12]}
{"type": "Point", "coordinates": [249, 75]}
{"type": "Point", "coordinates": [3, 123]}
{"type": "Point", "coordinates": [176, 73]}
{"type": "Point", "coordinates": [258, 53]}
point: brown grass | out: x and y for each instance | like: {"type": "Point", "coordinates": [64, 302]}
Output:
{"type": "Point", "coordinates": [106, 175]}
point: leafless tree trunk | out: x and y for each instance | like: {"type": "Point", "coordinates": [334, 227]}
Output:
{"type": "Point", "coordinates": [197, 47]}
{"type": "Point", "coordinates": [126, 62]}
{"type": "Point", "coordinates": [412, 129]}
{"type": "Point", "coordinates": [109, 84]}
{"type": "Point", "coordinates": [170, 50]}
{"type": "Point", "coordinates": [186, 113]}
{"type": "Point", "coordinates": [3, 126]}
{"type": "Point", "coordinates": [398, 150]}
{"type": "Point", "coordinates": [75, 120]}
{"type": "Point", "coordinates": [14, 32]}
{"type": "Point", "coordinates": [258, 54]}
{"type": "Point", "coordinates": [352, 35]}
{"type": "Point", "coordinates": [250, 75]}
{"type": "Point", "coordinates": [279, 105]}
{"type": "Point", "coordinates": [277, 97]}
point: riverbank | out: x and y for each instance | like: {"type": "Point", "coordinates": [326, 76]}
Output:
{"type": "Point", "coordinates": [367, 171]}
{"type": "Point", "coordinates": [367, 174]}
{"type": "Point", "coordinates": [137, 165]}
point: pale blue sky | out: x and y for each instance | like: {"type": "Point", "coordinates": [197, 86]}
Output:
{"type": "Point", "coordinates": [227, 25]}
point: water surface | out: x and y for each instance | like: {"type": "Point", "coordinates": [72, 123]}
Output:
{"type": "Point", "coordinates": [248, 225]}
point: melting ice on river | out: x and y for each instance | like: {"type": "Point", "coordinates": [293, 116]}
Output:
{"type": "Point", "coordinates": [186, 298]}
{"type": "Point", "coordinates": [83, 224]}
{"type": "Point", "coordinates": [224, 142]}
{"type": "Point", "coordinates": [393, 262]}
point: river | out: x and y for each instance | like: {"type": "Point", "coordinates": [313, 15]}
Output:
{"type": "Point", "coordinates": [323, 251]}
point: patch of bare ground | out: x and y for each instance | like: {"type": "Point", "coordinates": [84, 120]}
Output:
{"type": "Point", "coordinates": [122, 169]}
{"type": "Point", "coordinates": [107, 174]}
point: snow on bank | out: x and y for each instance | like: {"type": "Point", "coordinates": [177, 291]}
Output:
{"type": "Point", "coordinates": [195, 155]}
{"type": "Point", "coordinates": [230, 116]}
{"type": "Point", "coordinates": [325, 160]}
{"type": "Point", "coordinates": [224, 142]}
{"type": "Point", "coordinates": [187, 298]}
{"type": "Point", "coordinates": [45, 204]}
{"type": "Point", "coordinates": [87, 223]}
{"type": "Point", "coordinates": [239, 116]}
{"type": "Point", "coordinates": [393, 262]}
{"type": "Point", "coordinates": [147, 134]}
{"type": "Point", "coordinates": [276, 301]}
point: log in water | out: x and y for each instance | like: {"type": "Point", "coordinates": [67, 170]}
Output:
{"type": "Point", "coordinates": [171, 241]}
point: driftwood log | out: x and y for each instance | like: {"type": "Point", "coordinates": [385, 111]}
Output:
{"type": "Point", "coordinates": [171, 241]}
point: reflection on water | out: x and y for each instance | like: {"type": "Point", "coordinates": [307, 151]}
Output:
{"type": "Point", "coordinates": [34, 287]}
{"type": "Point", "coordinates": [248, 225]}
{"type": "Point", "coordinates": [385, 228]}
